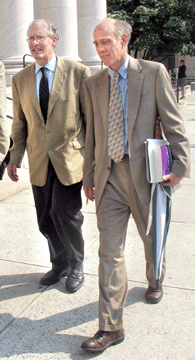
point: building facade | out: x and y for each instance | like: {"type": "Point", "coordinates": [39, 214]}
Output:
{"type": "Point", "coordinates": [75, 20]}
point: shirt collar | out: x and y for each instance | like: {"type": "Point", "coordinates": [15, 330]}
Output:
{"type": "Point", "coordinates": [123, 71]}
{"type": "Point", "coordinates": [51, 65]}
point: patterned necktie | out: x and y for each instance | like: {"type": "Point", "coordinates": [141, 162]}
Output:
{"type": "Point", "coordinates": [44, 94]}
{"type": "Point", "coordinates": [115, 122]}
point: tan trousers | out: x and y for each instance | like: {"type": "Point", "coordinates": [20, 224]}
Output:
{"type": "Point", "coordinates": [119, 200]}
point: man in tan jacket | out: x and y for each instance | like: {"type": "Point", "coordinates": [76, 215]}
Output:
{"type": "Point", "coordinates": [49, 122]}
{"type": "Point", "coordinates": [117, 179]}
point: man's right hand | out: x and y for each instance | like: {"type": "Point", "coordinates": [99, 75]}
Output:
{"type": "Point", "coordinates": [12, 172]}
{"type": "Point", "coordinates": [89, 193]}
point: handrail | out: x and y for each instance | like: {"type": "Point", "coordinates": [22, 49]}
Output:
{"type": "Point", "coordinates": [9, 116]}
{"type": "Point", "coordinates": [8, 97]}
{"type": "Point", "coordinates": [24, 63]}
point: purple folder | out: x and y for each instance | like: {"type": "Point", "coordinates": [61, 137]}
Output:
{"type": "Point", "coordinates": [158, 159]}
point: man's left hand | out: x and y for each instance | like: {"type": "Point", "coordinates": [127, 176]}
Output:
{"type": "Point", "coordinates": [171, 180]}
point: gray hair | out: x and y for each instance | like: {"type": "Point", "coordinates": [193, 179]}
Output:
{"type": "Point", "coordinates": [51, 30]}
{"type": "Point", "coordinates": [122, 27]}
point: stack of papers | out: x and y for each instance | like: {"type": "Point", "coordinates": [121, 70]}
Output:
{"type": "Point", "coordinates": [158, 159]}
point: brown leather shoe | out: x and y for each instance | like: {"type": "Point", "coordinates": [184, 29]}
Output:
{"type": "Point", "coordinates": [102, 340]}
{"type": "Point", "coordinates": [153, 296]}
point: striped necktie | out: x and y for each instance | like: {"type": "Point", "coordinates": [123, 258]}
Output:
{"type": "Point", "coordinates": [115, 122]}
{"type": "Point", "coordinates": [44, 94]}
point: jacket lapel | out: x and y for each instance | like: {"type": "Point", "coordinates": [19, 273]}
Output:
{"type": "Point", "coordinates": [103, 91]}
{"type": "Point", "coordinates": [32, 90]}
{"type": "Point", "coordinates": [58, 81]}
{"type": "Point", "coordinates": [59, 77]}
{"type": "Point", "coordinates": [135, 83]}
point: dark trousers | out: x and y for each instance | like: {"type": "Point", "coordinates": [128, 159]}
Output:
{"type": "Point", "coordinates": [60, 220]}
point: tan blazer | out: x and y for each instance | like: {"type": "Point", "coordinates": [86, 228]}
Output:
{"type": "Point", "coordinates": [149, 94]}
{"type": "Point", "coordinates": [4, 125]}
{"type": "Point", "coordinates": [62, 138]}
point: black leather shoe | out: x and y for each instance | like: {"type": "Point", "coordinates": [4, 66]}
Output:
{"type": "Point", "coordinates": [75, 280]}
{"type": "Point", "coordinates": [102, 340]}
{"type": "Point", "coordinates": [153, 296]}
{"type": "Point", "coordinates": [53, 276]}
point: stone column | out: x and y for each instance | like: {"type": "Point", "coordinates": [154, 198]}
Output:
{"type": "Point", "coordinates": [63, 13]}
{"type": "Point", "coordinates": [90, 13]}
{"type": "Point", "coordinates": [15, 18]}
{"type": "Point", "coordinates": [37, 9]}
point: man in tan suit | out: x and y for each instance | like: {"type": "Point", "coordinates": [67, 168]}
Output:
{"type": "Point", "coordinates": [48, 121]}
{"type": "Point", "coordinates": [120, 186]}
{"type": "Point", "coordinates": [4, 128]}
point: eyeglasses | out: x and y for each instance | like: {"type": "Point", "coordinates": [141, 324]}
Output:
{"type": "Point", "coordinates": [38, 38]}
{"type": "Point", "coordinates": [104, 42]}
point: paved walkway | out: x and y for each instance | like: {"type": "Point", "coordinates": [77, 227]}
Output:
{"type": "Point", "coordinates": [48, 323]}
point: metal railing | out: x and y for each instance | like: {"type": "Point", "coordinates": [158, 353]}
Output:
{"type": "Point", "coordinates": [24, 60]}
{"type": "Point", "coordinates": [24, 65]}
{"type": "Point", "coordinates": [9, 116]}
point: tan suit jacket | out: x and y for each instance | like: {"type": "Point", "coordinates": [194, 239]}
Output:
{"type": "Point", "coordinates": [4, 126]}
{"type": "Point", "coordinates": [149, 94]}
{"type": "Point", "coordinates": [62, 138]}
